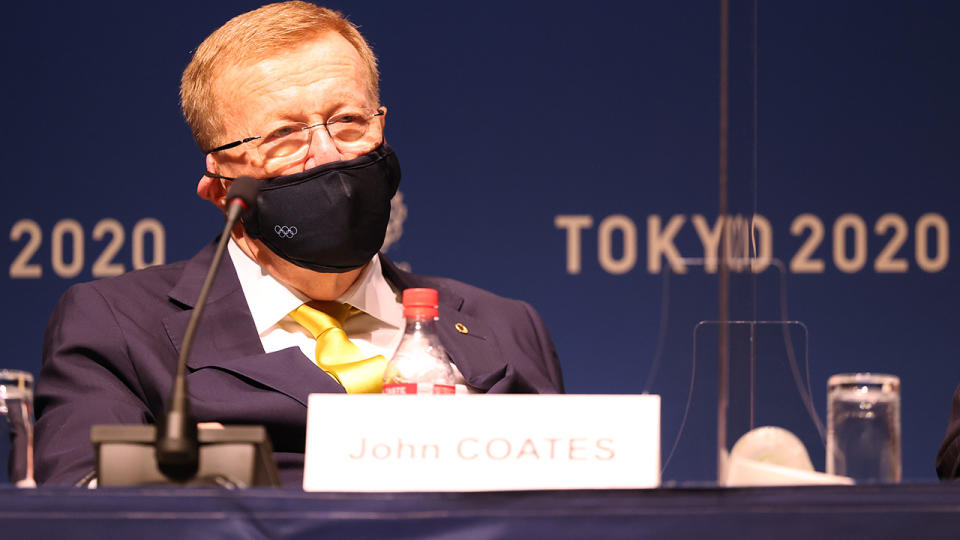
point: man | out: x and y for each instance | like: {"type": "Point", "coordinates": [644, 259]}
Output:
{"type": "Point", "coordinates": [287, 94]}
{"type": "Point", "coordinates": [948, 457]}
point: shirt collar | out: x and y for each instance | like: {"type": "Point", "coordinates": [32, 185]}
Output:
{"type": "Point", "coordinates": [373, 294]}
{"type": "Point", "coordinates": [270, 300]}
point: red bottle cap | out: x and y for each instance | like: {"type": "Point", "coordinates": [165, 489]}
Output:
{"type": "Point", "coordinates": [420, 303]}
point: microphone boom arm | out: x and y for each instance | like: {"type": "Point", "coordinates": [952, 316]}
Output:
{"type": "Point", "coordinates": [177, 443]}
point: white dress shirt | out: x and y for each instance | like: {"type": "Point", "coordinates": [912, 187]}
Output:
{"type": "Point", "coordinates": [377, 330]}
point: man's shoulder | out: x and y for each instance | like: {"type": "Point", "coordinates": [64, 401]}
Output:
{"type": "Point", "coordinates": [112, 306]}
{"type": "Point", "coordinates": [467, 291]}
{"type": "Point", "coordinates": [516, 332]}
{"type": "Point", "coordinates": [466, 297]}
{"type": "Point", "coordinates": [153, 281]}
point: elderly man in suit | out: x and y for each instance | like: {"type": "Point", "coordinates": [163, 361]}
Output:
{"type": "Point", "coordinates": [287, 94]}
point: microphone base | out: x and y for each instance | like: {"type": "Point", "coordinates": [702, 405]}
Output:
{"type": "Point", "coordinates": [232, 456]}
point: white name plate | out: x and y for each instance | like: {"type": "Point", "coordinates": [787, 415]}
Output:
{"type": "Point", "coordinates": [481, 442]}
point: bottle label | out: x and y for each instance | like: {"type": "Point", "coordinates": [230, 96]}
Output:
{"type": "Point", "coordinates": [418, 388]}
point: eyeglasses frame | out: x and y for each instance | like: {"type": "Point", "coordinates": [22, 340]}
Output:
{"type": "Point", "coordinates": [380, 112]}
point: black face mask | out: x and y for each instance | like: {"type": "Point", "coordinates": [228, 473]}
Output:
{"type": "Point", "coordinates": [331, 218]}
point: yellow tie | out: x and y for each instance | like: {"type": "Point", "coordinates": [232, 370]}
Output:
{"type": "Point", "coordinates": [335, 354]}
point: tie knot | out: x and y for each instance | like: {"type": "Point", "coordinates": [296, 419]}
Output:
{"type": "Point", "coordinates": [339, 311]}
{"type": "Point", "coordinates": [318, 317]}
{"type": "Point", "coordinates": [335, 353]}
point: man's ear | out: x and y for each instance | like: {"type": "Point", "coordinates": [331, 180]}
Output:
{"type": "Point", "coordinates": [213, 189]}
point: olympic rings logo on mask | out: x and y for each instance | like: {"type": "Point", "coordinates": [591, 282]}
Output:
{"type": "Point", "coordinates": [285, 232]}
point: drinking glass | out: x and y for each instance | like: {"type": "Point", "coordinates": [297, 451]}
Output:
{"type": "Point", "coordinates": [863, 427]}
{"type": "Point", "coordinates": [16, 424]}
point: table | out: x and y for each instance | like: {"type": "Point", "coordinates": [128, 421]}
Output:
{"type": "Point", "coordinates": [926, 511]}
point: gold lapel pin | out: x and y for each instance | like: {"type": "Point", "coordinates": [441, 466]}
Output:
{"type": "Point", "coordinates": [461, 328]}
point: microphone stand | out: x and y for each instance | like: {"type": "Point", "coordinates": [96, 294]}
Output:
{"type": "Point", "coordinates": [175, 451]}
{"type": "Point", "coordinates": [178, 446]}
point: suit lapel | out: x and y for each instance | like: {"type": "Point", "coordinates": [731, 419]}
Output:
{"type": "Point", "coordinates": [227, 339]}
{"type": "Point", "coordinates": [475, 351]}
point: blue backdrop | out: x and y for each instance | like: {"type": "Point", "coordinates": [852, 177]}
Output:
{"type": "Point", "coordinates": [575, 160]}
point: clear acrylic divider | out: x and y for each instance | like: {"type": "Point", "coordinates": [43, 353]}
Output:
{"type": "Point", "coordinates": [764, 403]}
{"type": "Point", "coordinates": [765, 391]}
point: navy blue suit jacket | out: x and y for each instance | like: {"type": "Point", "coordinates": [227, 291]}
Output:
{"type": "Point", "coordinates": [111, 348]}
{"type": "Point", "coordinates": [948, 458]}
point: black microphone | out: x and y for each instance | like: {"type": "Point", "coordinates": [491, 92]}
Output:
{"type": "Point", "coordinates": [177, 444]}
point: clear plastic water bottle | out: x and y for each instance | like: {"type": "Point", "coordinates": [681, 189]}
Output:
{"type": "Point", "coordinates": [420, 365]}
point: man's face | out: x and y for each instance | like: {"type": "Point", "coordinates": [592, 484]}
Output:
{"type": "Point", "coordinates": [312, 83]}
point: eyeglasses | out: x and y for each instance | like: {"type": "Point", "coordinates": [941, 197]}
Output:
{"type": "Point", "coordinates": [288, 145]}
